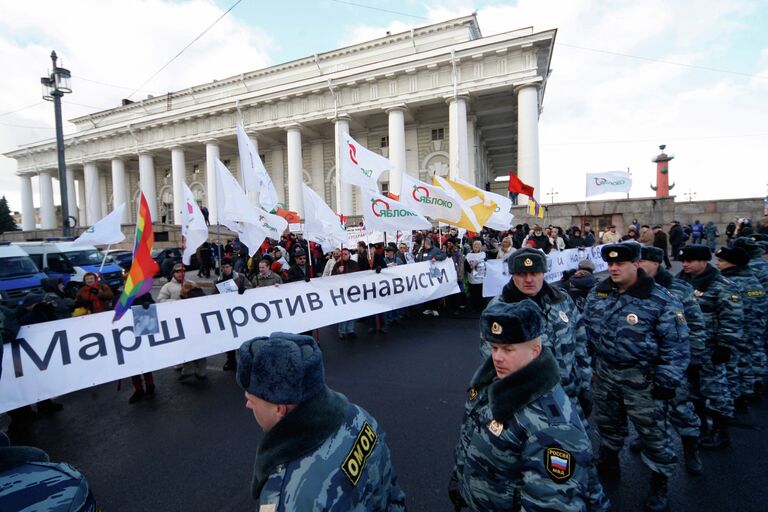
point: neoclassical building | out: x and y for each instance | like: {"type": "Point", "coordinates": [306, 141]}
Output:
{"type": "Point", "coordinates": [439, 99]}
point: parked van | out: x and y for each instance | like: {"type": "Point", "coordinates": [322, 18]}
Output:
{"type": "Point", "coordinates": [18, 275]}
{"type": "Point", "coordinates": [72, 262]}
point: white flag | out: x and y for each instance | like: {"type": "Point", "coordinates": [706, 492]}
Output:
{"type": "Point", "coordinates": [429, 200]}
{"type": "Point", "coordinates": [321, 225]}
{"type": "Point", "coordinates": [384, 214]}
{"type": "Point", "coordinates": [501, 219]}
{"type": "Point", "coordinates": [273, 225]}
{"type": "Point", "coordinates": [235, 212]}
{"type": "Point", "coordinates": [255, 176]}
{"type": "Point", "coordinates": [193, 227]}
{"type": "Point", "coordinates": [613, 181]}
{"type": "Point", "coordinates": [105, 232]}
{"type": "Point", "coordinates": [361, 166]}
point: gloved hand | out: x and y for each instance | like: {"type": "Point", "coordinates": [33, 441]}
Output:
{"type": "Point", "coordinates": [694, 374]}
{"type": "Point", "coordinates": [94, 291]}
{"type": "Point", "coordinates": [585, 401]}
{"type": "Point", "coordinates": [721, 354]}
{"type": "Point", "coordinates": [378, 270]}
{"type": "Point", "coordinates": [454, 494]}
{"type": "Point", "coordinates": [662, 393]}
{"type": "Point", "coordinates": [241, 290]}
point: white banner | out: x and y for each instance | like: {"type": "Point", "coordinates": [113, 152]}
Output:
{"type": "Point", "coordinates": [55, 358]}
{"type": "Point", "coordinates": [614, 181]}
{"type": "Point", "coordinates": [497, 271]}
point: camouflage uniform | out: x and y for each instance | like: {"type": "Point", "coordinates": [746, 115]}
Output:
{"type": "Point", "coordinates": [720, 303]}
{"type": "Point", "coordinates": [744, 372]}
{"type": "Point", "coordinates": [350, 470]}
{"type": "Point", "coordinates": [524, 447]}
{"type": "Point", "coordinates": [683, 415]}
{"type": "Point", "coordinates": [563, 334]}
{"type": "Point", "coordinates": [641, 342]}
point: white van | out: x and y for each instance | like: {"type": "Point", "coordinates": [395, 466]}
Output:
{"type": "Point", "coordinates": [72, 262]}
{"type": "Point", "coordinates": [18, 275]}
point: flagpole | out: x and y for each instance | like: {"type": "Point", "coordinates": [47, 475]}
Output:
{"type": "Point", "coordinates": [104, 259]}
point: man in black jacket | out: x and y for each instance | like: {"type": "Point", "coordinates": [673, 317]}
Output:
{"type": "Point", "coordinates": [676, 239]}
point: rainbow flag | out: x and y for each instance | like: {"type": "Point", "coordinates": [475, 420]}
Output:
{"type": "Point", "coordinates": [143, 269]}
{"type": "Point", "coordinates": [535, 209]}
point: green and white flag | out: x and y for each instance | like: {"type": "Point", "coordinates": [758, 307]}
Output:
{"type": "Point", "coordinates": [384, 214]}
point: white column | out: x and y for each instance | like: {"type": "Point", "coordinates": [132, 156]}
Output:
{"type": "Point", "coordinates": [81, 214]}
{"type": "Point", "coordinates": [528, 136]}
{"type": "Point", "coordinates": [211, 155]}
{"type": "Point", "coordinates": [119, 188]}
{"type": "Point", "coordinates": [47, 209]}
{"type": "Point", "coordinates": [27, 203]}
{"type": "Point", "coordinates": [178, 170]}
{"type": "Point", "coordinates": [396, 148]}
{"type": "Point", "coordinates": [344, 203]}
{"type": "Point", "coordinates": [147, 183]}
{"type": "Point", "coordinates": [295, 170]}
{"type": "Point", "coordinates": [92, 200]}
{"type": "Point", "coordinates": [103, 196]}
{"type": "Point", "coordinates": [318, 174]}
{"type": "Point", "coordinates": [278, 172]}
{"type": "Point", "coordinates": [457, 137]}
{"type": "Point", "coordinates": [472, 153]}
{"type": "Point", "coordinates": [71, 193]}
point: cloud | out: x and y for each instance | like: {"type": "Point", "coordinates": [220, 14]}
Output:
{"type": "Point", "coordinates": [113, 42]}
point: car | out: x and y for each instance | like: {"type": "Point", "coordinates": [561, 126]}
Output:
{"type": "Point", "coordinates": [122, 257]}
{"type": "Point", "coordinates": [18, 275]}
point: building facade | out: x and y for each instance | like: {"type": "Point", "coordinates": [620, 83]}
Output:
{"type": "Point", "coordinates": [439, 99]}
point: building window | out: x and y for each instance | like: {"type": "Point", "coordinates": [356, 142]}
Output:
{"type": "Point", "coordinates": [263, 158]}
{"type": "Point", "coordinates": [385, 188]}
{"type": "Point", "coordinates": [438, 134]}
{"type": "Point", "coordinates": [385, 142]}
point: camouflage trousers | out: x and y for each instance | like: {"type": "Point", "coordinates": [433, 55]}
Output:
{"type": "Point", "coordinates": [626, 392]}
{"type": "Point", "coordinates": [740, 371]}
{"type": "Point", "coordinates": [712, 388]}
{"type": "Point", "coordinates": [682, 414]}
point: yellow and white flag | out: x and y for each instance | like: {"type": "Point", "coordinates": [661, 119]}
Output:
{"type": "Point", "coordinates": [477, 205]}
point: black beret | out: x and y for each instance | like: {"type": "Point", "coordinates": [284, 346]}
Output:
{"type": "Point", "coordinates": [509, 323]}
{"type": "Point", "coordinates": [527, 260]}
{"type": "Point", "coordinates": [652, 254]}
{"type": "Point", "coordinates": [656, 227]}
{"type": "Point", "coordinates": [226, 261]}
{"type": "Point", "coordinates": [628, 251]}
{"type": "Point", "coordinates": [695, 252]}
{"type": "Point", "coordinates": [735, 255]}
{"type": "Point", "coordinates": [299, 253]}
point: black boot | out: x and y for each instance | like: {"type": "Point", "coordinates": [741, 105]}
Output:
{"type": "Point", "coordinates": [636, 445]}
{"type": "Point", "coordinates": [657, 497]}
{"type": "Point", "coordinates": [691, 452]}
{"type": "Point", "coordinates": [607, 464]}
{"type": "Point", "coordinates": [701, 412]}
{"type": "Point", "coordinates": [759, 390]}
{"type": "Point", "coordinates": [741, 404]}
{"type": "Point", "coordinates": [717, 438]}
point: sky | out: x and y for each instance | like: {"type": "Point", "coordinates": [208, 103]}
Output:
{"type": "Point", "coordinates": [626, 77]}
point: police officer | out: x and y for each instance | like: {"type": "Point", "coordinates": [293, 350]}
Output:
{"type": "Point", "coordinates": [641, 354]}
{"type": "Point", "coordinates": [720, 303]}
{"type": "Point", "coordinates": [733, 264]}
{"type": "Point", "coordinates": [563, 331]}
{"type": "Point", "coordinates": [682, 412]}
{"type": "Point", "coordinates": [755, 250]}
{"type": "Point", "coordinates": [522, 444]}
{"type": "Point", "coordinates": [319, 449]}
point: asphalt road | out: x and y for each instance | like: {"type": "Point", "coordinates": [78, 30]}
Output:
{"type": "Point", "coordinates": [192, 447]}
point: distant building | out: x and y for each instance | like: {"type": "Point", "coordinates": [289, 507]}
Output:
{"type": "Point", "coordinates": [439, 99]}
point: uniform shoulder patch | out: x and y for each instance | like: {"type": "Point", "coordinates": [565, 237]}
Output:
{"type": "Point", "coordinates": [755, 293]}
{"type": "Point", "coordinates": [735, 297]}
{"type": "Point", "coordinates": [680, 316]}
{"type": "Point", "coordinates": [559, 464]}
{"type": "Point", "coordinates": [354, 462]}
{"type": "Point", "coordinates": [602, 294]}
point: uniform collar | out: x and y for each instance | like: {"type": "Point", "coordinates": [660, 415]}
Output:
{"type": "Point", "coordinates": [641, 289]}
{"type": "Point", "coordinates": [510, 293]}
{"type": "Point", "coordinates": [297, 434]}
{"type": "Point", "coordinates": [508, 395]}
{"type": "Point", "coordinates": [703, 280]}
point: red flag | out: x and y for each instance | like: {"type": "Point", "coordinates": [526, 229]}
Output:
{"type": "Point", "coordinates": [516, 186]}
{"type": "Point", "coordinates": [291, 216]}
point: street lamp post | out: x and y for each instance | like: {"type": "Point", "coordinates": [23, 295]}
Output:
{"type": "Point", "coordinates": [56, 85]}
